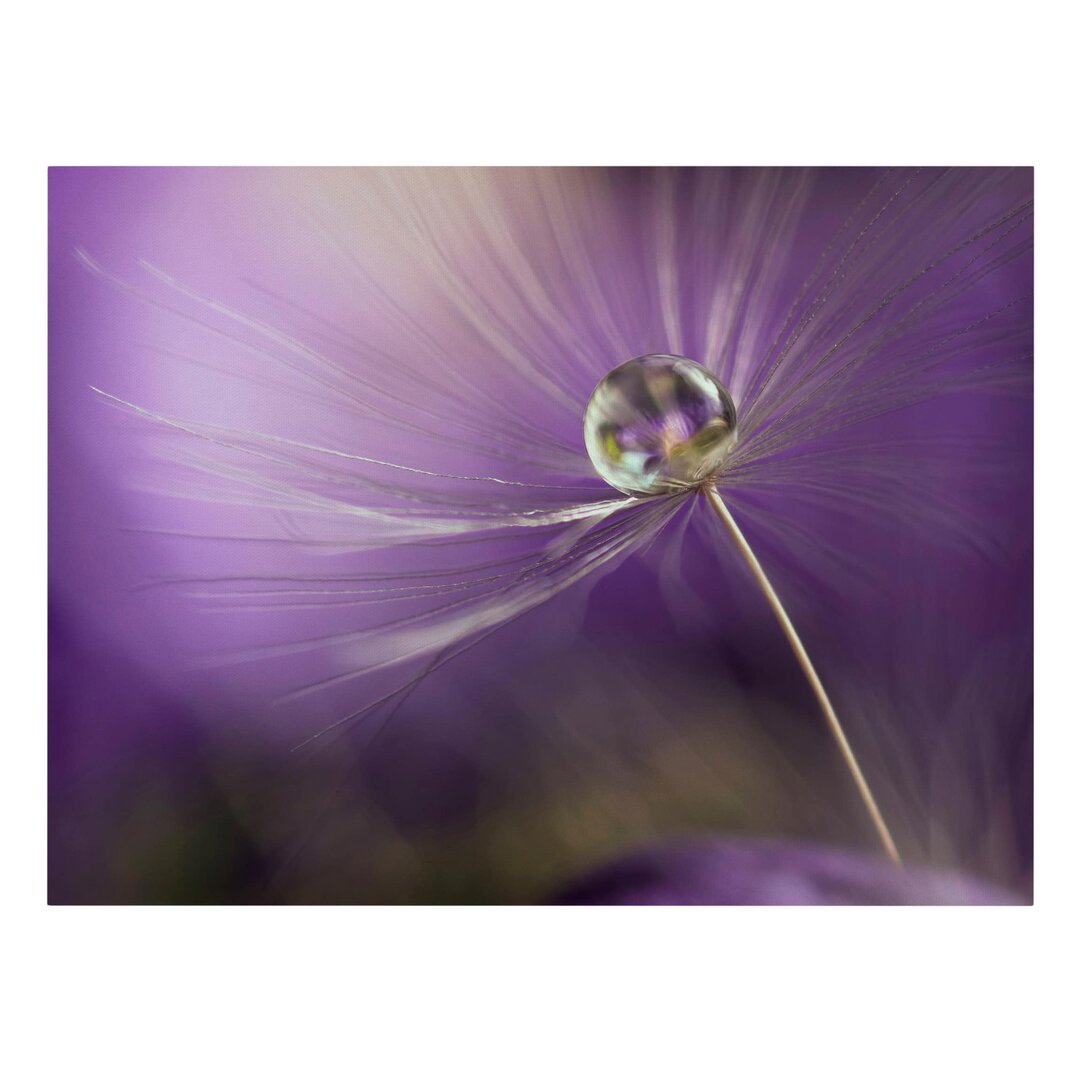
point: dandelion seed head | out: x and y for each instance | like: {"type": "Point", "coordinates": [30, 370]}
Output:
{"type": "Point", "coordinates": [337, 457]}
{"type": "Point", "coordinates": [659, 424]}
{"type": "Point", "coordinates": [363, 449]}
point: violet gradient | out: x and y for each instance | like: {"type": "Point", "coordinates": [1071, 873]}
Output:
{"type": "Point", "coordinates": [743, 872]}
{"type": "Point", "coordinates": [135, 724]}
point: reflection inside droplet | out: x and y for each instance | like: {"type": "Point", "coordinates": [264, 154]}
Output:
{"type": "Point", "coordinates": [658, 424]}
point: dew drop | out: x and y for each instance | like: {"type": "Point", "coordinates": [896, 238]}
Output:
{"type": "Point", "coordinates": [659, 424]}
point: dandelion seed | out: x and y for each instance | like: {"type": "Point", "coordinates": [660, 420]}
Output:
{"type": "Point", "coordinates": [428, 441]}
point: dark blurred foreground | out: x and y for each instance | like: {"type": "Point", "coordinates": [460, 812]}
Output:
{"type": "Point", "coordinates": [512, 786]}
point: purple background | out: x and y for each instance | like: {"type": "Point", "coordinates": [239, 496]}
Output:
{"type": "Point", "coordinates": [614, 716]}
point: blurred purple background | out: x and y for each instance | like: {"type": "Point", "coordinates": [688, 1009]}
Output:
{"type": "Point", "coordinates": [630, 710]}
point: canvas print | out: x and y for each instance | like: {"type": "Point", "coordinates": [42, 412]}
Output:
{"type": "Point", "coordinates": [581, 536]}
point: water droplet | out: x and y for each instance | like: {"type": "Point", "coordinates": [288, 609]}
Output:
{"type": "Point", "coordinates": [659, 424]}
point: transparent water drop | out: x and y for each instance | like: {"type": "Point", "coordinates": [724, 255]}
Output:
{"type": "Point", "coordinates": [659, 424]}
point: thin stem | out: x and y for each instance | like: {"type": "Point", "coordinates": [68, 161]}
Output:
{"type": "Point", "coordinates": [713, 496]}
